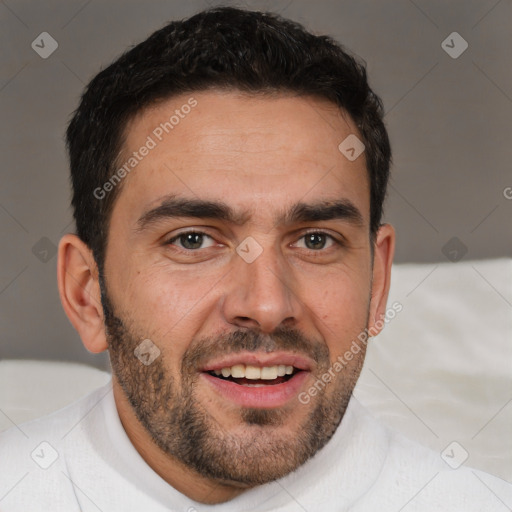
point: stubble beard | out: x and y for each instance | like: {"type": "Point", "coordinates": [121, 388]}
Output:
{"type": "Point", "coordinates": [262, 449]}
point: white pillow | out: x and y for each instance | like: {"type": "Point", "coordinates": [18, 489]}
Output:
{"type": "Point", "coordinates": [441, 370]}
{"type": "Point", "coordinates": [29, 389]}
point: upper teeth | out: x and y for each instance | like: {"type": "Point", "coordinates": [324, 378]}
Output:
{"type": "Point", "coordinates": [239, 371]}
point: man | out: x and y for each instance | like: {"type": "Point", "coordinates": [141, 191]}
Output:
{"type": "Point", "coordinates": [228, 178]}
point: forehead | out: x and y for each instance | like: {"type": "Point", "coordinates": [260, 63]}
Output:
{"type": "Point", "coordinates": [256, 153]}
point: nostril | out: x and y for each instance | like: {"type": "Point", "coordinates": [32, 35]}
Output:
{"type": "Point", "coordinates": [245, 321]}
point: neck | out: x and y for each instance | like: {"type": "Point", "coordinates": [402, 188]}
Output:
{"type": "Point", "coordinates": [175, 473]}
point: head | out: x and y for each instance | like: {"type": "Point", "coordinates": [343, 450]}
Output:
{"type": "Point", "coordinates": [221, 225]}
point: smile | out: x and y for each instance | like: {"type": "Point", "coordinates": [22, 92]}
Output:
{"type": "Point", "coordinates": [244, 374]}
{"type": "Point", "coordinates": [258, 385]}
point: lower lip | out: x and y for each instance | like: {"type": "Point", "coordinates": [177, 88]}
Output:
{"type": "Point", "coordinates": [264, 397]}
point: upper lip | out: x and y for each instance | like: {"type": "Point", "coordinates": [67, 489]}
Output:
{"type": "Point", "coordinates": [260, 359]}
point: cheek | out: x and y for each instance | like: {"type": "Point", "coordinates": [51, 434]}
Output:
{"type": "Point", "coordinates": [164, 295]}
{"type": "Point", "coordinates": [165, 305]}
{"type": "Point", "coordinates": [340, 308]}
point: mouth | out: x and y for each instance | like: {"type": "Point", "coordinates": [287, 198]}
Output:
{"type": "Point", "coordinates": [255, 376]}
{"type": "Point", "coordinates": [256, 383]}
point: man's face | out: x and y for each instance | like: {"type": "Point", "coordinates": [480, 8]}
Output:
{"type": "Point", "coordinates": [271, 288]}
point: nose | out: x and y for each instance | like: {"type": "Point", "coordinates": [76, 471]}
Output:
{"type": "Point", "coordinates": [261, 294]}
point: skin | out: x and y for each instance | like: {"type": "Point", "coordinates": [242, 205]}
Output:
{"type": "Point", "coordinates": [260, 155]}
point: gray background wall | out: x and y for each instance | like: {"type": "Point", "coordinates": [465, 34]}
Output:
{"type": "Point", "coordinates": [449, 120]}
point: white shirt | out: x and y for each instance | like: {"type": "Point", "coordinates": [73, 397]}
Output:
{"type": "Point", "coordinates": [92, 466]}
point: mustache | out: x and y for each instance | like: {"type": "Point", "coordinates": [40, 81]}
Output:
{"type": "Point", "coordinates": [203, 350]}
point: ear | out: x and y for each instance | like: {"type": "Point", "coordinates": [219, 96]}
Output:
{"type": "Point", "coordinates": [384, 250]}
{"type": "Point", "coordinates": [79, 290]}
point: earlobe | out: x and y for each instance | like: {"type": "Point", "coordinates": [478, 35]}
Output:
{"type": "Point", "coordinates": [79, 290]}
{"type": "Point", "coordinates": [384, 250]}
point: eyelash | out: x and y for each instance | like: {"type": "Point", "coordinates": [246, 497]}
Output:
{"type": "Point", "coordinates": [312, 232]}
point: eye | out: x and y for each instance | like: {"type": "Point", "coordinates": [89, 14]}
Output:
{"type": "Point", "coordinates": [190, 240]}
{"type": "Point", "coordinates": [316, 240]}
{"type": "Point", "coordinates": [194, 240]}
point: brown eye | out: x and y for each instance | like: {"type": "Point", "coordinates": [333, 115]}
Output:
{"type": "Point", "coordinates": [318, 240]}
{"type": "Point", "coordinates": [190, 240]}
{"type": "Point", "coordinates": [315, 240]}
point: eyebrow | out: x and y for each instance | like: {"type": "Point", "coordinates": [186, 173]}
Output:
{"type": "Point", "coordinates": [173, 206]}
